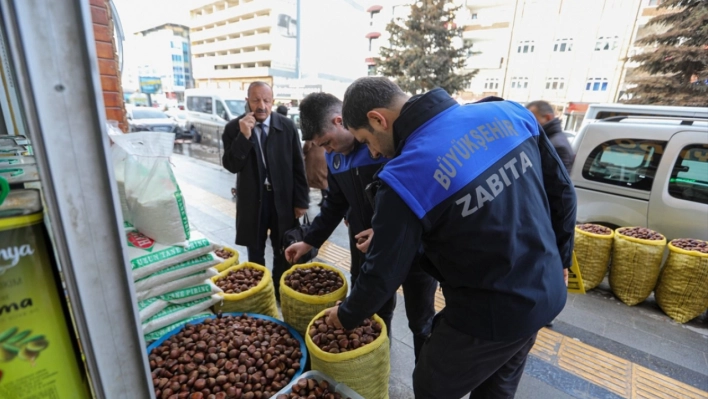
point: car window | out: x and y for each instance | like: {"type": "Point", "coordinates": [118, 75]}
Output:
{"type": "Point", "coordinates": [296, 120]}
{"type": "Point", "coordinates": [237, 107]}
{"type": "Point", "coordinates": [629, 163]}
{"type": "Point", "coordinates": [689, 178]}
{"type": "Point", "coordinates": [148, 113]}
{"type": "Point", "coordinates": [220, 109]}
{"type": "Point", "coordinates": [200, 104]}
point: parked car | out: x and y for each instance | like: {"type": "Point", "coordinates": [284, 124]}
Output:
{"type": "Point", "coordinates": [208, 111]}
{"type": "Point", "coordinates": [151, 119]}
{"type": "Point", "coordinates": [181, 118]}
{"type": "Point", "coordinates": [644, 171]}
{"type": "Point", "coordinates": [597, 112]}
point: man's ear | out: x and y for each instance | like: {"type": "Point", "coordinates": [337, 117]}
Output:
{"type": "Point", "coordinates": [337, 120]}
{"type": "Point", "coordinates": [377, 120]}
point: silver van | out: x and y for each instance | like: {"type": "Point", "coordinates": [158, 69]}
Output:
{"type": "Point", "coordinates": [208, 111]}
{"type": "Point", "coordinates": [644, 171]}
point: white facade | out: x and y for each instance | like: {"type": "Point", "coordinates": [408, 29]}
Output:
{"type": "Point", "coordinates": [561, 51]}
{"type": "Point", "coordinates": [236, 42]}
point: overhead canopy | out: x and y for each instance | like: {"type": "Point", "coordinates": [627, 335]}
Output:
{"type": "Point", "coordinates": [374, 8]}
{"type": "Point", "coordinates": [373, 35]}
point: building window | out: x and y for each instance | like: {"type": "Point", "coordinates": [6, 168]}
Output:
{"type": "Point", "coordinates": [629, 163]}
{"type": "Point", "coordinates": [372, 43]}
{"type": "Point", "coordinates": [563, 45]}
{"type": "Point", "coordinates": [491, 84]}
{"type": "Point", "coordinates": [655, 2]}
{"type": "Point", "coordinates": [689, 178]}
{"type": "Point", "coordinates": [519, 83]}
{"type": "Point", "coordinates": [555, 83]}
{"type": "Point", "coordinates": [596, 84]}
{"type": "Point", "coordinates": [474, 16]}
{"type": "Point", "coordinates": [605, 43]}
{"type": "Point", "coordinates": [526, 46]}
{"type": "Point", "coordinates": [371, 70]}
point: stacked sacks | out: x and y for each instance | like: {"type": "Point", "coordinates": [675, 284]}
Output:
{"type": "Point", "coordinates": [682, 291]}
{"type": "Point", "coordinates": [636, 263]}
{"type": "Point", "coordinates": [248, 288]}
{"type": "Point", "coordinates": [171, 281]}
{"type": "Point", "coordinates": [308, 289]}
{"type": "Point", "coordinates": [593, 248]}
{"type": "Point", "coordinates": [359, 358]}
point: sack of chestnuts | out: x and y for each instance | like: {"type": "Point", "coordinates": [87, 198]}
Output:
{"type": "Point", "coordinates": [593, 248]}
{"type": "Point", "coordinates": [358, 358]}
{"type": "Point", "coordinates": [636, 261]}
{"type": "Point", "coordinates": [316, 385]}
{"type": "Point", "coordinates": [226, 357]}
{"type": "Point", "coordinates": [682, 291]}
{"type": "Point", "coordinates": [248, 288]}
{"type": "Point", "coordinates": [308, 289]}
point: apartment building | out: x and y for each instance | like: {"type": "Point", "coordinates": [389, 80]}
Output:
{"type": "Point", "coordinates": [568, 52]}
{"type": "Point", "coordinates": [235, 42]}
{"type": "Point", "coordinates": [161, 52]}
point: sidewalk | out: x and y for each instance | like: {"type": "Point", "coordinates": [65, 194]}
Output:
{"type": "Point", "coordinates": [598, 347]}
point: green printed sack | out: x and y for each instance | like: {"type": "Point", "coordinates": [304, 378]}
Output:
{"type": "Point", "coordinates": [157, 334]}
{"type": "Point", "coordinates": [148, 257]}
{"type": "Point", "coordinates": [177, 312]}
{"type": "Point", "coordinates": [184, 269]}
{"type": "Point", "coordinates": [152, 306]}
{"type": "Point", "coordinates": [184, 282]}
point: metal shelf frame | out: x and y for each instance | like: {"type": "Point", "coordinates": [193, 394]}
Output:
{"type": "Point", "coordinates": [53, 55]}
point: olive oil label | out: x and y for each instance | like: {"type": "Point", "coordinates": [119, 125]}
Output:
{"type": "Point", "coordinates": [37, 358]}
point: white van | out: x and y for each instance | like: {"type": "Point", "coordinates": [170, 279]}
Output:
{"type": "Point", "coordinates": [208, 111]}
{"type": "Point", "coordinates": [597, 112]}
{"type": "Point", "coordinates": [644, 171]}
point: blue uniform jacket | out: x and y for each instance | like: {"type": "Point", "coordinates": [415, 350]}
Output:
{"type": "Point", "coordinates": [483, 189]}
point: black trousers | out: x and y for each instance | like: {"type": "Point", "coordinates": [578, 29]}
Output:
{"type": "Point", "coordinates": [419, 295]}
{"type": "Point", "coordinates": [256, 253]}
{"type": "Point", "coordinates": [453, 364]}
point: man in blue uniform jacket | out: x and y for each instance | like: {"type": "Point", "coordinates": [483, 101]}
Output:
{"type": "Point", "coordinates": [351, 168]}
{"type": "Point", "coordinates": [483, 190]}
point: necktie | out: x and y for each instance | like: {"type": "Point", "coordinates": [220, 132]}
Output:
{"type": "Point", "coordinates": [264, 136]}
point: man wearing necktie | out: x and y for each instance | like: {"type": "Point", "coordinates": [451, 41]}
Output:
{"type": "Point", "coordinates": [263, 148]}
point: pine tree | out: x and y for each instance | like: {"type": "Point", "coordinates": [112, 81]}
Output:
{"type": "Point", "coordinates": [675, 61]}
{"type": "Point", "coordinates": [422, 54]}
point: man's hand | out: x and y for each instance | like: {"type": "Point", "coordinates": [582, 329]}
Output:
{"type": "Point", "coordinates": [363, 239]}
{"type": "Point", "coordinates": [299, 212]}
{"type": "Point", "coordinates": [565, 276]}
{"type": "Point", "coordinates": [246, 124]}
{"type": "Point", "coordinates": [295, 251]}
{"type": "Point", "coordinates": [332, 319]}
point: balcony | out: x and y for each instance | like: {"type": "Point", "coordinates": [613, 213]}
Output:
{"type": "Point", "coordinates": [481, 4]}
{"type": "Point", "coordinates": [253, 7]}
{"type": "Point", "coordinates": [233, 73]}
{"type": "Point", "coordinates": [487, 30]}
{"type": "Point", "coordinates": [263, 22]}
{"type": "Point", "coordinates": [233, 44]}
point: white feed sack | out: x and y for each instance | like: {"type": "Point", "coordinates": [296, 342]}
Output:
{"type": "Point", "coordinates": [148, 257]}
{"type": "Point", "coordinates": [177, 312]}
{"type": "Point", "coordinates": [152, 306]}
{"type": "Point", "coordinates": [184, 282]}
{"type": "Point", "coordinates": [154, 200]}
{"type": "Point", "coordinates": [177, 271]}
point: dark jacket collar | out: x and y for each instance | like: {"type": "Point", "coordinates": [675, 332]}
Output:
{"type": "Point", "coordinates": [553, 127]}
{"type": "Point", "coordinates": [276, 121]}
{"type": "Point", "coordinates": [418, 110]}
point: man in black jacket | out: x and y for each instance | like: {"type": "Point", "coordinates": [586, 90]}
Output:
{"type": "Point", "coordinates": [483, 190]}
{"type": "Point", "coordinates": [546, 117]}
{"type": "Point", "coordinates": [351, 168]}
{"type": "Point", "coordinates": [263, 148]}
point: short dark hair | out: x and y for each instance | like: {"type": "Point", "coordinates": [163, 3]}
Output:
{"type": "Point", "coordinates": [282, 110]}
{"type": "Point", "coordinates": [543, 107]}
{"type": "Point", "coordinates": [257, 83]}
{"type": "Point", "coordinates": [364, 95]}
{"type": "Point", "coordinates": [315, 112]}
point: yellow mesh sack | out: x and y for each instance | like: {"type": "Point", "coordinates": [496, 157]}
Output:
{"type": "Point", "coordinates": [365, 370]}
{"type": "Point", "coordinates": [227, 263]}
{"type": "Point", "coordinates": [682, 292]}
{"type": "Point", "coordinates": [593, 252]}
{"type": "Point", "coordinates": [635, 267]}
{"type": "Point", "coordinates": [259, 299]}
{"type": "Point", "coordinates": [299, 309]}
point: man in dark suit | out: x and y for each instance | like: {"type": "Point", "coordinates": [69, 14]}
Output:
{"type": "Point", "coordinates": [263, 148]}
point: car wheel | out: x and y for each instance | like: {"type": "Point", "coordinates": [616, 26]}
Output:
{"type": "Point", "coordinates": [195, 135]}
